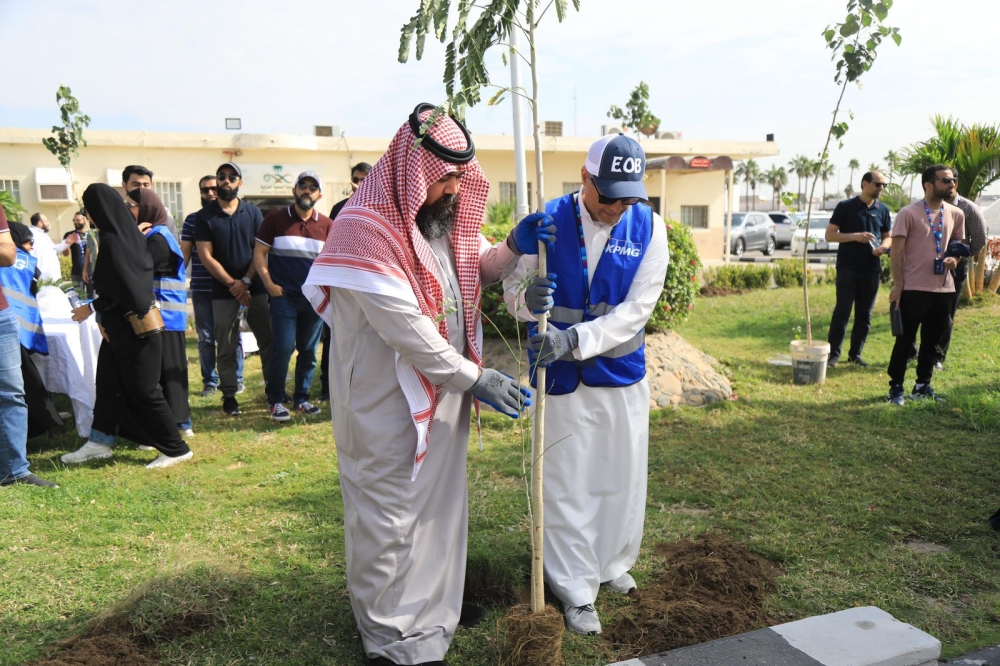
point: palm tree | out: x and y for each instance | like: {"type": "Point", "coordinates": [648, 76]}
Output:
{"type": "Point", "coordinates": [973, 150]}
{"type": "Point", "coordinates": [825, 173]}
{"type": "Point", "coordinates": [798, 165]}
{"type": "Point", "coordinates": [750, 172]}
{"type": "Point", "coordinates": [739, 172]}
{"type": "Point", "coordinates": [777, 178]}
{"type": "Point", "coordinates": [874, 167]}
{"type": "Point", "coordinates": [848, 191]}
{"type": "Point", "coordinates": [891, 160]}
{"type": "Point", "coordinates": [854, 165]}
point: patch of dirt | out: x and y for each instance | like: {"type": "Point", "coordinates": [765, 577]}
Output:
{"type": "Point", "coordinates": [101, 650]}
{"type": "Point", "coordinates": [713, 588]}
{"type": "Point", "coordinates": [690, 511]}
{"type": "Point", "coordinates": [925, 547]}
{"type": "Point", "coordinates": [712, 290]}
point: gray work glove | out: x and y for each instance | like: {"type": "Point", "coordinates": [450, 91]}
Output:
{"type": "Point", "coordinates": [538, 295]}
{"type": "Point", "coordinates": [553, 345]}
{"type": "Point", "coordinates": [501, 392]}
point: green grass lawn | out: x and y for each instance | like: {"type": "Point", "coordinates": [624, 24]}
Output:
{"type": "Point", "coordinates": [829, 480]}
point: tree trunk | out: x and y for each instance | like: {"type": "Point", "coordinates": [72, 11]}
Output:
{"type": "Point", "coordinates": [980, 269]}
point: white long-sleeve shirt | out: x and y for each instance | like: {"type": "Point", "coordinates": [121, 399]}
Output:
{"type": "Point", "coordinates": [626, 319]}
{"type": "Point", "coordinates": [47, 253]}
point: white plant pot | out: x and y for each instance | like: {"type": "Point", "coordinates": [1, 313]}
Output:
{"type": "Point", "coordinates": [809, 361]}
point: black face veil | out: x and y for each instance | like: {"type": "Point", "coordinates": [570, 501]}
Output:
{"type": "Point", "coordinates": [124, 271]}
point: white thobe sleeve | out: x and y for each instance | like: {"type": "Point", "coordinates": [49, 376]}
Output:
{"type": "Point", "coordinates": [403, 327]}
{"type": "Point", "coordinates": [626, 319]}
{"type": "Point", "coordinates": [495, 261]}
{"type": "Point", "coordinates": [61, 246]}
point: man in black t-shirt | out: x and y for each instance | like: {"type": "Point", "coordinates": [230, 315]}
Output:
{"type": "Point", "coordinates": [77, 252]}
{"type": "Point", "coordinates": [862, 226]}
{"type": "Point", "coordinates": [225, 232]}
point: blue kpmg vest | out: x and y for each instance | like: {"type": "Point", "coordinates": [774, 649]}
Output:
{"type": "Point", "coordinates": [625, 364]}
{"type": "Point", "coordinates": [171, 290]}
{"type": "Point", "coordinates": [16, 281]}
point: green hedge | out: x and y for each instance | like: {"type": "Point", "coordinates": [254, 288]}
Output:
{"type": "Point", "coordinates": [784, 273]}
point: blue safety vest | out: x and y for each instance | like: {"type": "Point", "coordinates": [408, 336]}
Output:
{"type": "Point", "coordinates": [575, 303]}
{"type": "Point", "coordinates": [16, 281]}
{"type": "Point", "coordinates": [171, 290]}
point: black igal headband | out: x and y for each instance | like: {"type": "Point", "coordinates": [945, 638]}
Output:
{"type": "Point", "coordinates": [435, 148]}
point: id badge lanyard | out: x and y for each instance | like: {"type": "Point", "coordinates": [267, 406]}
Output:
{"type": "Point", "coordinates": [583, 259]}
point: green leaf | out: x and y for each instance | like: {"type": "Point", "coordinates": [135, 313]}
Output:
{"type": "Point", "coordinates": [866, 19]}
{"type": "Point", "coordinates": [560, 10]}
{"type": "Point", "coordinates": [829, 35]}
{"type": "Point", "coordinates": [881, 11]}
{"type": "Point", "coordinates": [871, 44]}
{"type": "Point", "coordinates": [497, 98]}
{"type": "Point", "coordinates": [848, 29]}
{"type": "Point", "coordinates": [849, 48]}
{"type": "Point", "coordinates": [896, 38]}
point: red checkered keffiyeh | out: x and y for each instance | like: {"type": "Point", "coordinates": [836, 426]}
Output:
{"type": "Point", "coordinates": [375, 247]}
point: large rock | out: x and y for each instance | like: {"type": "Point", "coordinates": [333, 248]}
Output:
{"type": "Point", "coordinates": [677, 373]}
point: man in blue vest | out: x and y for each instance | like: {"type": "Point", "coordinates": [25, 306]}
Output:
{"type": "Point", "coordinates": [604, 278]}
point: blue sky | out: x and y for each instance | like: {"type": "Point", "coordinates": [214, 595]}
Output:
{"type": "Point", "coordinates": [723, 69]}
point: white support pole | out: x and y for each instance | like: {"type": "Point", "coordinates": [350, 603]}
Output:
{"type": "Point", "coordinates": [520, 161]}
{"type": "Point", "coordinates": [729, 215]}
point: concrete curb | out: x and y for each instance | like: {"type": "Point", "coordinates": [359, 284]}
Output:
{"type": "Point", "coordinates": [866, 636]}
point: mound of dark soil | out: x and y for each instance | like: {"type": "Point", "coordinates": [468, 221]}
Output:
{"type": "Point", "coordinates": [712, 290]}
{"type": "Point", "coordinates": [713, 588]}
{"type": "Point", "coordinates": [102, 650]}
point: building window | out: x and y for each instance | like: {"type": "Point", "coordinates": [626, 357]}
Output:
{"type": "Point", "coordinates": [508, 193]}
{"type": "Point", "coordinates": [570, 188]}
{"type": "Point", "coordinates": [695, 217]}
{"type": "Point", "coordinates": [12, 186]}
{"type": "Point", "coordinates": [170, 195]}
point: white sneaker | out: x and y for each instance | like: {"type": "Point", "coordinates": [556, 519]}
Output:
{"type": "Point", "coordinates": [582, 619]}
{"type": "Point", "coordinates": [187, 433]}
{"type": "Point", "coordinates": [624, 584]}
{"type": "Point", "coordinates": [143, 447]}
{"type": "Point", "coordinates": [166, 461]}
{"type": "Point", "coordinates": [89, 451]}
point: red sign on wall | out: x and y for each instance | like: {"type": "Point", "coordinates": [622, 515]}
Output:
{"type": "Point", "coordinates": [700, 163]}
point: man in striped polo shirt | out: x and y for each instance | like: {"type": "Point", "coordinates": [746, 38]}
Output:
{"type": "Point", "coordinates": [201, 299]}
{"type": "Point", "coordinates": [287, 243]}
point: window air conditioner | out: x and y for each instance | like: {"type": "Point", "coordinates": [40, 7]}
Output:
{"type": "Point", "coordinates": [53, 185]}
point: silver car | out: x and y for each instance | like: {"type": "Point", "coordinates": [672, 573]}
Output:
{"type": "Point", "coordinates": [784, 227]}
{"type": "Point", "coordinates": [752, 231]}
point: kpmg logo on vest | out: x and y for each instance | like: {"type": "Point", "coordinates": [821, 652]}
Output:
{"type": "Point", "coordinates": [20, 263]}
{"type": "Point", "coordinates": [623, 247]}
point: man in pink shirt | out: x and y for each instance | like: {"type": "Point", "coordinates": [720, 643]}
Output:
{"type": "Point", "coordinates": [923, 285]}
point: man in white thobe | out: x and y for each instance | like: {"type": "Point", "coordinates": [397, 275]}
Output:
{"type": "Point", "coordinates": [605, 277]}
{"type": "Point", "coordinates": [399, 283]}
{"type": "Point", "coordinates": [45, 250]}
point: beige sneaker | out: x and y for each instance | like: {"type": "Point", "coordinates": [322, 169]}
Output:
{"type": "Point", "coordinates": [166, 461]}
{"type": "Point", "coordinates": [624, 584]}
{"type": "Point", "coordinates": [89, 451]}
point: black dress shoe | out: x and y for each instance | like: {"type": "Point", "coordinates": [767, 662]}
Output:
{"type": "Point", "coordinates": [857, 360]}
{"type": "Point", "coordinates": [471, 616]}
{"type": "Point", "coordinates": [29, 479]}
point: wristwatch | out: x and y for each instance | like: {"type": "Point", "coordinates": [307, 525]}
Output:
{"type": "Point", "coordinates": [247, 281]}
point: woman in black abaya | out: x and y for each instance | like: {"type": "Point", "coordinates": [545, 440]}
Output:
{"type": "Point", "coordinates": [130, 402]}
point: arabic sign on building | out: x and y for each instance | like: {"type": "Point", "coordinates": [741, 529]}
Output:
{"type": "Point", "coordinates": [273, 180]}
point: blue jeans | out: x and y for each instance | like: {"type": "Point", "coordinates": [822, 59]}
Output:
{"type": "Point", "coordinates": [295, 326]}
{"type": "Point", "coordinates": [204, 323]}
{"type": "Point", "coordinates": [13, 408]}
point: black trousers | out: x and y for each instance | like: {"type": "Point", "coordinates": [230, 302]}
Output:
{"type": "Point", "coordinates": [961, 275]}
{"type": "Point", "coordinates": [174, 375]}
{"type": "Point", "coordinates": [930, 313]}
{"type": "Point", "coordinates": [130, 400]}
{"type": "Point", "coordinates": [857, 290]}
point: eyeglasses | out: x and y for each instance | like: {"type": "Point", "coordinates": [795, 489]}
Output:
{"type": "Point", "coordinates": [208, 190]}
{"type": "Point", "coordinates": [949, 181]}
{"type": "Point", "coordinates": [625, 201]}
{"type": "Point", "coordinates": [308, 186]}
{"type": "Point", "coordinates": [223, 177]}
{"type": "Point", "coordinates": [356, 180]}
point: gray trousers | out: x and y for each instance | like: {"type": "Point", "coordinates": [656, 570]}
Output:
{"type": "Point", "coordinates": [227, 336]}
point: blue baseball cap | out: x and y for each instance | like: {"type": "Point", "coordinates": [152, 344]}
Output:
{"type": "Point", "coordinates": [617, 164]}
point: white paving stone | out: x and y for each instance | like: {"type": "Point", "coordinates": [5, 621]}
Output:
{"type": "Point", "coordinates": [866, 636]}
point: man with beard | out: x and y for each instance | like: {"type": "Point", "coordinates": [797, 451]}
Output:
{"type": "Point", "coordinates": [224, 233]}
{"type": "Point", "coordinates": [201, 298]}
{"type": "Point", "coordinates": [77, 252]}
{"type": "Point", "coordinates": [399, 281]}
{"type": "Point", "coordinates": [610, 275]}
{"type": "Point", "coordinates": [46, 251]}
{"type": "Point", "coordinates": [287, 243]}
{"type": "Point", "coordinates": [861, 225]}
{"type": "Point", "coordinates": [358, 173]}
{"type": "Point", "coordinates": [922, 282]}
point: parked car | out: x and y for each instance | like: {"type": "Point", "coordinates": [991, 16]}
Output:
{"type": "Point", "coordinates": [752, 231]}
{"type": "Point", "coordinates": [784, 227]}
{"type": "Point", "coordinates": [817, 232]}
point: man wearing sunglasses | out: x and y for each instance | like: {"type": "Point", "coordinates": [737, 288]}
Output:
{"type": "Point", "coordinates": [922, 282]}
{"type": "Point", "coordinates": [358, 173]}
{"type": "Point", "coordinates": [862, 226]}
{"type": "Point", "coordinates": [605, 276]}
{"type": "Point", "coordinates": [201, 297]}
{"type": "Point", "coordinates": [224, 233]}
{"type": "Point", "coordinates": [288, 242]}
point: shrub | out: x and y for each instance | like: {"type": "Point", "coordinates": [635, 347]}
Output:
{"type": "Point", "coordinates": [680, 287]}
{"type": "Point", "coordinates": [739, 277]}
{"type": "Point", "coordinates": [497, 322]}
{"type": "Point", "coordinates": [886, 277]}
{"type": "Point", "coordinates": [788, 273]}
{"type": "Point", "coordinates": [66, 268]}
